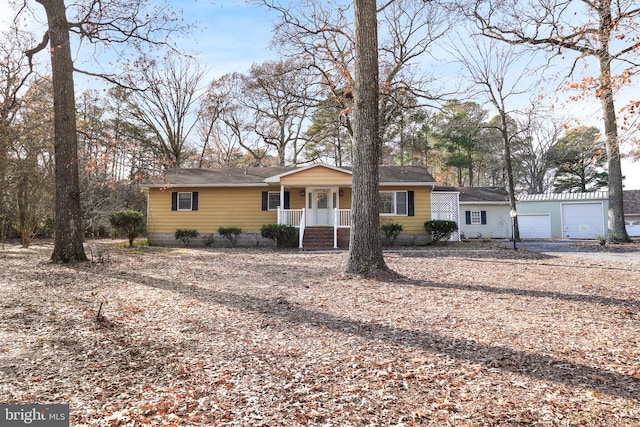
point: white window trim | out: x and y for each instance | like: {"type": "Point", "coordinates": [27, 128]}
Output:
{"type": "Point", "coordinates": [190, 193]}
{"type": "Point", "coordinates": [478, 220]}
{"type": "Point", "coordinates": [269, 200]}
{"type": "Point", "coordinates": [395, 204]}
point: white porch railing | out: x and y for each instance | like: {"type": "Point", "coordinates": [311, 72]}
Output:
{"type": "Point", "coordinates": [291, 217]}
{"type": "Point", "coordinates": [341, 219]}
{"type": "Point", "coordinates": [296, 218]}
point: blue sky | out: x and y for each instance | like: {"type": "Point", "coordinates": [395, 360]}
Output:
{"type": "Point", "coordinates": [231, 35]}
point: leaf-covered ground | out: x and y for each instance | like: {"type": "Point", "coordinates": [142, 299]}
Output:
{"type": "Point", "coordinates": [195, 337]}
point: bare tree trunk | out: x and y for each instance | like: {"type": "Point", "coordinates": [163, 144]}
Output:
{"type": "Point", "coordinates": [68, 225]}
{"type": "Point", "coordinates": [616, 204]}
{"type": "Point", "coordinates": [509, 166]}
{"type": "Point", "coordinates": [365, 247]}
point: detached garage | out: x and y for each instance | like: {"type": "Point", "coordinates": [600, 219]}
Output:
{"type": "Point", "coordinates": [563, 215]}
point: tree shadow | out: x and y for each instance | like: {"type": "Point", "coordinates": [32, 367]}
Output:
{"type": "Point", "coordinates": [534, 365]}
{"type": "Point", "coordinates": [585, 298]}
{"type": "Point", "coordinates": [509, 258]}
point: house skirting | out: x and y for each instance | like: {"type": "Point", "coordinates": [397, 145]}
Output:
{"type": "Point", "coordinates": [244, 240]}
{"type": "Point", "coordinates": [256, 240]}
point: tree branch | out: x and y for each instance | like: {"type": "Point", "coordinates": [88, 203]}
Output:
{"type": "Point", "coordinates": [43, 44]}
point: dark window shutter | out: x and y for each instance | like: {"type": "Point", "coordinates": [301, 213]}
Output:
{"type": "Point", "coordinates": [265, 200]}
{"type": "Point", "coordinates": [410, 204]}
{"type": "Point", "coordinates": [483, 217]}
{"type": "Point", "coordinates": [286, 200]}
{"type": "Point", "coordinates": [174, 201]}
{"type": "Point", "coordinates": [194, 201]}
{"type": "Point", "coordinates": [467, 217]}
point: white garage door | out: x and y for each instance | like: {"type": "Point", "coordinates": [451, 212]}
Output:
{"type": "Point", "coordinates": [633, 228]}
{"type": "Point", "coordinates": [534, 226]}
{"type": "Point", "coordinates": [582, 220]}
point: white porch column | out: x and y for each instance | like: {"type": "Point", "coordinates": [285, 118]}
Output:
{"type": "Point", "coordinates": [282, 196]}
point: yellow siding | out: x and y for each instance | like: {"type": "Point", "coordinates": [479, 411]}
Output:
{"type": "Point", "coordinates": [242, 207]}
{"type": "Point", "coordinates": [422, 210]}
{"type": "Point", "coordinates": [345, 199]}
{"type": "Point", "coordinates": [217, 207]}
{"type": "Point", "coordinates": [318, 175]}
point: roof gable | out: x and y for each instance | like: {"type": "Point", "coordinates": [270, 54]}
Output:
{"type": "Point", "coordinates": [312, 172]}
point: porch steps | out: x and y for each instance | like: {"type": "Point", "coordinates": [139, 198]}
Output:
{"type": "Point", "coordinates": [317, 239]}
{"type": "Point", "coordinates": [321, 238]}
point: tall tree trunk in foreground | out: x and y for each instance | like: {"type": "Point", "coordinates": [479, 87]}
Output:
{"type": "Point", "coordinates": [365, 247]}
{"type": "Point", "coordinates": [616, 223]}
{"type": "Point", "coordinates": [68, 226]}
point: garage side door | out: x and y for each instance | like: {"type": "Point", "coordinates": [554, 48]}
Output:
{"type": "Point", "coordinates": [582, 220]}
{"type": "Point", "coordinates": [534, 226]}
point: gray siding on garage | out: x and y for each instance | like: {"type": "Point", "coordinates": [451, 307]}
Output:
{"type": "Point", "coordinates": [552, 204]}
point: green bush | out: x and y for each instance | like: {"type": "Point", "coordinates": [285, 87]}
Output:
{"type": "Point", "coordinates": [186, 235]}
{"type": "Point", "coordinates": [391, 231]}
{"type": "Point", "coordinates": [440, 230]}
{"type": "Point", "coordinates": [283, 235]}
{"type": "Point", "coordinates": [231, 233]}
{"type": "Point", "coordinates": [130, 222]}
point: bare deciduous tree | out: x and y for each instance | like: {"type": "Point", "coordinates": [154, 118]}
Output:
{"type": "Point", "coordinates": [500, 73]}
{"type": "Point", "coordinates": [108, 24]}
{"type": "Point", "coordinates": [230, 120]}
{"type": "Point", "coordinates": [280, 95]}
{"type": "Point", "coordinates": [320, 33]}
{"type": "Point", "coordinates": [167, 105]}
{"type": "Point", "coordinates": [604, 30]}
{"type": "Point", "coordinates": [14, 81]}
{"type": "Point", "coordinates": [541, 131]}
{"type": "Point", "coordinates": [32, 158]}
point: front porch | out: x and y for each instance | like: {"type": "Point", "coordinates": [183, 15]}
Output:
{"type": "Point", "coordinates": [329, 233]}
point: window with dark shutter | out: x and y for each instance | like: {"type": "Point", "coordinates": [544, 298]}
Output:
{"type": "Point", "coordinates": [174, 201]}
{"type": "Point", "coordinates": [467, 217]}
{"type": "Point", "coordinates": [483, 217]}
{"type": "Point", "coordinates": [194, 201]}
{"type": "Point", "coordinates": [265, 200]}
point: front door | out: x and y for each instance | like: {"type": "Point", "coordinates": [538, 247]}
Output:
{"type": "Point", "coordinates": [322, 206]}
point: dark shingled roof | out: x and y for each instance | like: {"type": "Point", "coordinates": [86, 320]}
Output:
{"type": "Point", "coordinates": [631, 202]}
{"type": "Point", "coordinates": [219, 177]}
{"type": "Point", "coordinates": [478, 194]}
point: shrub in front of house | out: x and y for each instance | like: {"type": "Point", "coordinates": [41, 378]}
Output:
{"type": "Point", "coordinates": [440, 230]}
{"type": "Point", "coordinates": [391, 230]}
{"type": "Point", "coordinates": [283, 235]}
{"type": "Point", "coordinates": [128, 221]}
{"type": "Point", "coordinates": [231, 233]}
{"type": "Point", "coordinates": [186, 235]}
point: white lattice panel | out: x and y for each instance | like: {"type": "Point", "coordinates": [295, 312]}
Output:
{"type": "Point", "coordinates": [445, 206]}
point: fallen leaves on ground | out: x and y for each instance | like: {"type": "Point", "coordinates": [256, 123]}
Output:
{"type": "Point", "coordinates": [234, 337]}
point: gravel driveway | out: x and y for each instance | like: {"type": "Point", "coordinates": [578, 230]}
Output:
{"type": "Point", "coordinates": [584, 248]}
